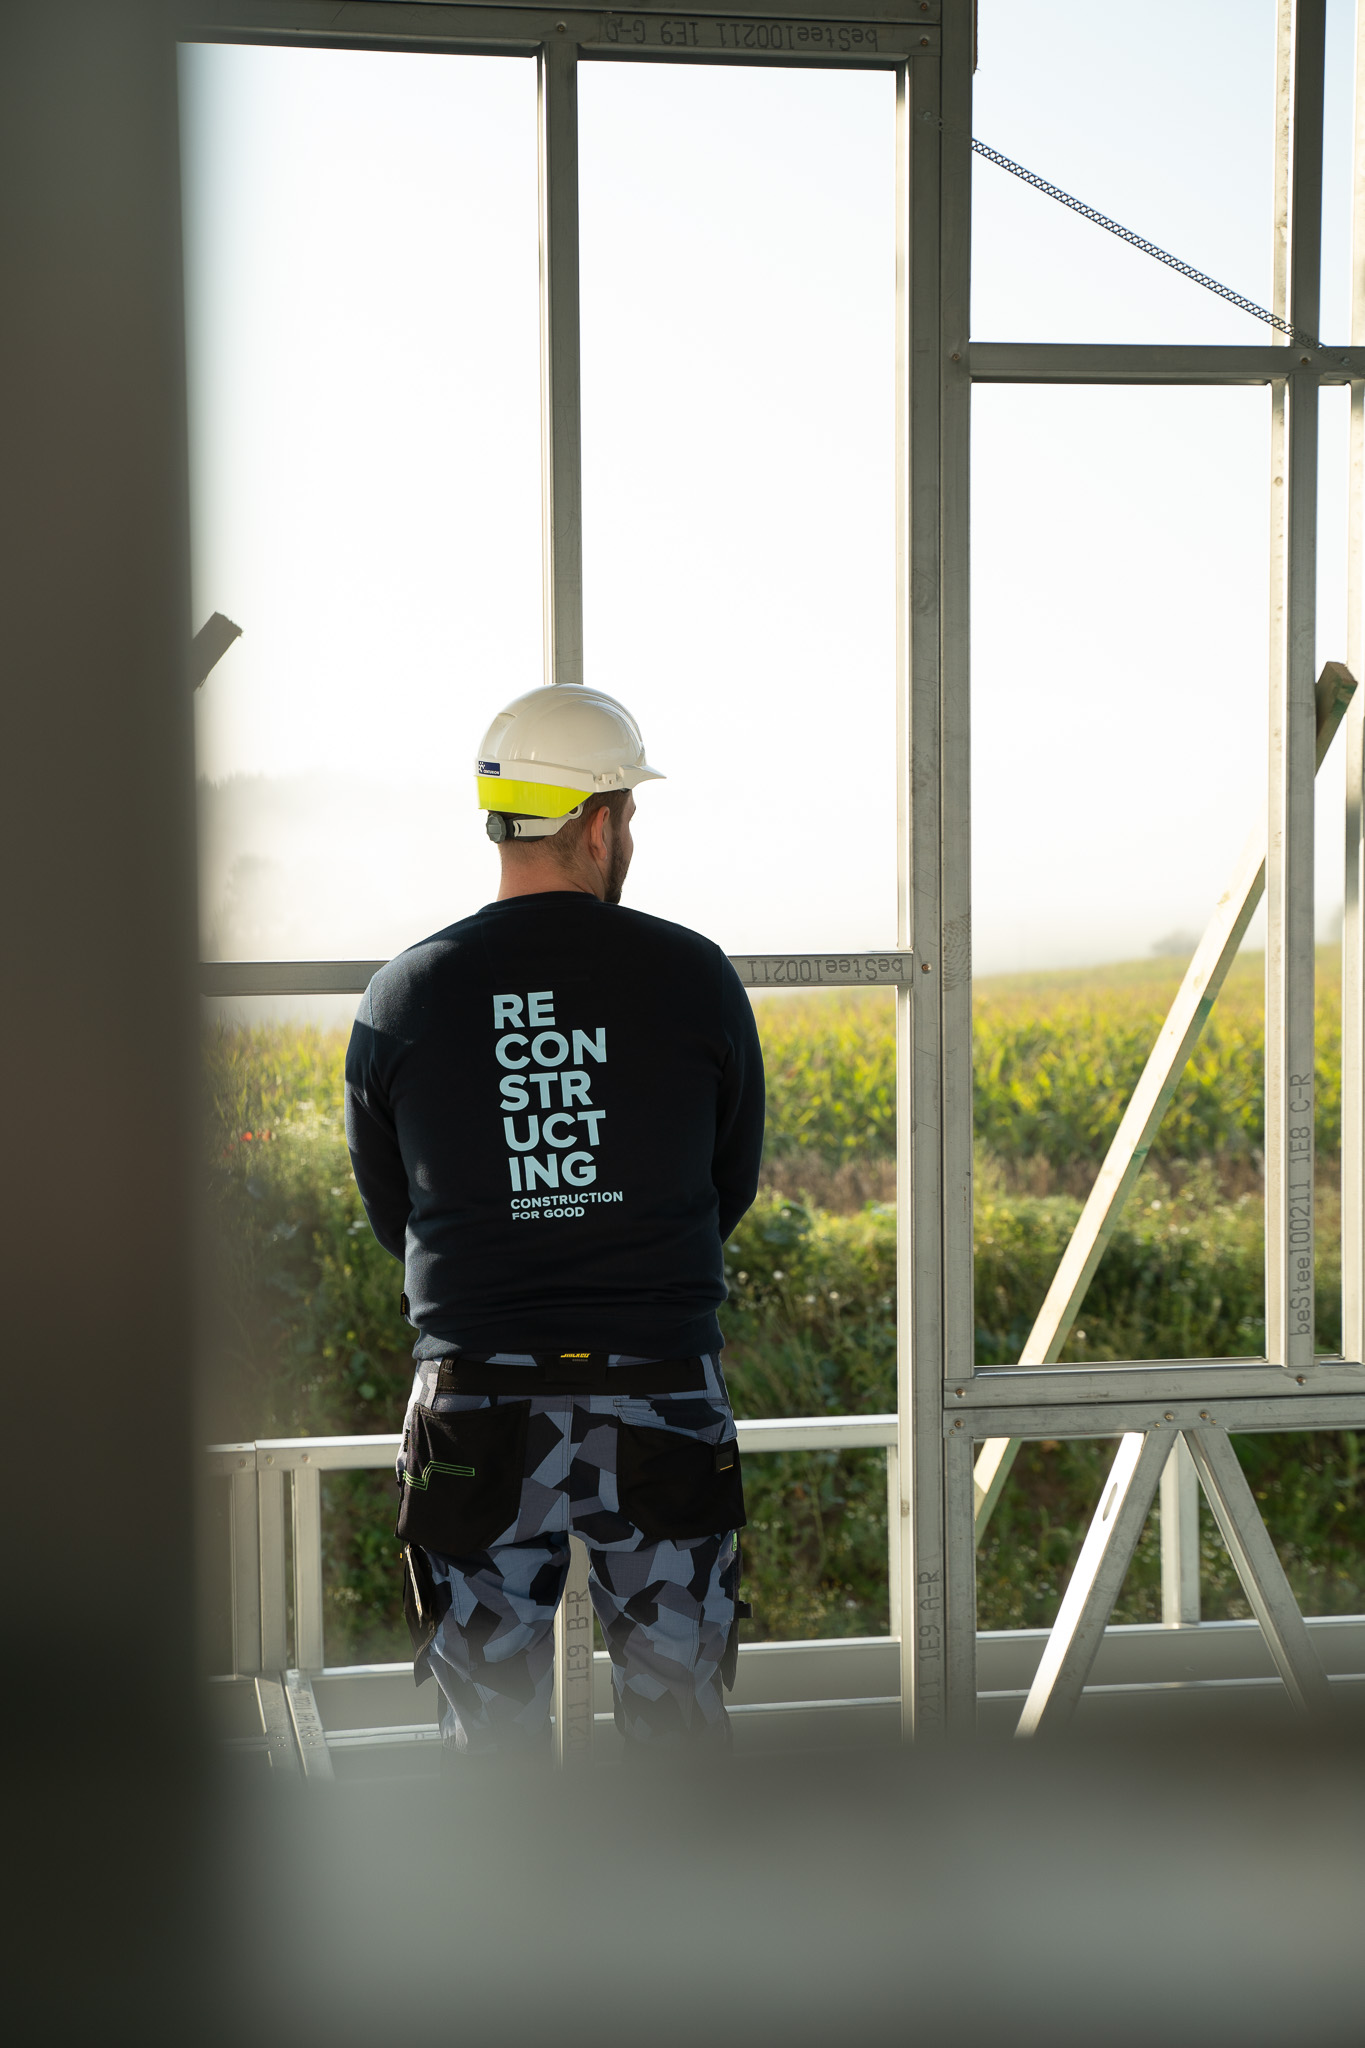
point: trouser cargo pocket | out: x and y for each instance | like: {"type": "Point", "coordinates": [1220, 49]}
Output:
{"type": "Point", "coordinates": [670, 1485]}
{"type": "Point", "coordinates": [425, 1600]}
{"type": "Point", "coordinates": [461, 1484]}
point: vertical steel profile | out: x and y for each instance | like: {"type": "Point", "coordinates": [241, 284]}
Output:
{"type": "Point", "coordinates": [277, 1727]}
{"type": "Point", "coordinates": [1180, 1589]}
{"type": "Point", "coordinates": [959, 1549]}
{"type": "Point", "coordinates": [955, 983]}
{"type": "Point", "coordinates": [245, 1540]}
{"type": "Point", "coordinates": [893, 1537]}
{"type": "Point", "coordinates": [1352, 938]}
{"type": "Point", "coordinates": [955, 979]}
{"type": "Point", "coordinates": [1290, 953]}
{"type": "Point", "coordinates": [919, 1157]}
{"type": "Point", "coordinates": [310, 1736]}
{"type": "Point", "coordinates": [561, 484]}
{"type": "Point", "coordinates": [306, 1488]}
{"type": "Point", "coordinates": [274, 1580]}
{"type": "Point", "coordinates": [573, 1705]}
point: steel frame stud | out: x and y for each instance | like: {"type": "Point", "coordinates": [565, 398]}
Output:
{"type": "Point", "coordinates": [274, 1583]}
{"type": "Point", "coordinates": [1180, 1587]}
{"type": "Point", "coordinates": [1352, 934]}
{"type": "Point", "coordinates": [573, 1685]}
{"type": "Point", "coordinates": [306, 1492]}
{"type": "Point", "coordinates": [245, 1541]}
{"type": "Point", "coordinates": [561, 497]}
{"type": "Point", "coordinates": [919, 1156]}
{"type": "Point", "coordinates": [309, 1733]}
{"type": "Point", "coordinates": [277, 1725]}
{"type": "Point", "coordinates": [1290, 1087]}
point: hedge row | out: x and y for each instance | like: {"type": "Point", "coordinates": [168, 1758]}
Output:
{"type": "Point", "coordinates": [307, 1338]}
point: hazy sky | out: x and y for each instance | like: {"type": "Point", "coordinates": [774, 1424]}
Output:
{"type": "Point", "coordinates": [363, 324]}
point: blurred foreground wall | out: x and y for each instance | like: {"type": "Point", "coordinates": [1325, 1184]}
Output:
{"type": "Point", "coordinates": [96, 1067]}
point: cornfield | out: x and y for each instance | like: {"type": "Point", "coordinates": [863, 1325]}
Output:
{"type": "Point", "coordinates": [1055, 1058]}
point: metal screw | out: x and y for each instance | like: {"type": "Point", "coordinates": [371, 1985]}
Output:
{"type": "Point", "coordinates": [1303, 1379]}
{"type": "Point", "coordinates": [270, 1461]}
{"type": "Point", "coordinates": [924, 966]}
{"type": "Point", "coordinates": [956, 357]}
{"type": "Point", "coordinates": [1303, 359]}
{"type": "Point", "coordinates": [924, 6]}
{"type": "Point", "coordinates": [1170, 1415]}
{"type": "Point", "coordinates": [1204, 1415]}
{"type": "Point", "coordinates": [959, 1391]}
{"type": "Point", "coordinates": [305, 1457]}
{"type": "Point", "coordinates": [958, 1423]}
{"type": "Point", "coordinates": [924, 42]}
{"type": "Point", "coordinates": [240, 1463]}
{"type": "Point", "coordinates": [559, 28]}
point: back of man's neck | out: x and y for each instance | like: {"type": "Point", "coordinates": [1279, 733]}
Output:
{"type": "Point", "coordinates": [532, 878]}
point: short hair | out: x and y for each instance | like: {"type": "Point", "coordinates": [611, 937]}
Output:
{"type": "Point", "coordinates": [564, 843]}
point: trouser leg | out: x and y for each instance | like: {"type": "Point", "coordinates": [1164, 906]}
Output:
{"type": "Point", "coordinates": [493, 1653]}
{"type": "Point", "coordinates": [667, 1610]}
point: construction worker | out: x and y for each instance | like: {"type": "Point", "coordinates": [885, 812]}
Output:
{"type": "Point", "coordinates": [555, 1115]}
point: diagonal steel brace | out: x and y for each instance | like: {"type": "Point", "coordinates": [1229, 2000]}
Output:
{"type": "Point", "coordinates": [1097, 1580]}
{"type": "Point", "coordinates": [1107, 1552]}
{"type": "Point", "coordinates": [1127, 1154]}
{"type": "Point", "coordinates": [1259, 1569]}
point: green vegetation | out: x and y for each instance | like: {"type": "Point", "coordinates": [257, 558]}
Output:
{"type": "Point", "coordinates": [309, 1339]}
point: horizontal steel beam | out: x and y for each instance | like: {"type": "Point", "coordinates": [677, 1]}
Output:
{"type": "Point", "coordinates": [1119, 1418]}
{"type": "Point", "coordinates": [1047, 362]}
{"type": "Point", "coordinates": [373, 1453]}
{"type": "Point", "coordinates": [1132, 1653]}
{"type": "Point", "coordinates": [1086, 1416]}
{"type": "Point", "coordinates": [221, 978]}
{"type": "Point", "coordinates": [820, 1433]}
{"type": "Point", "coordinates": [225, 1459]}
{"type": "Point", "coordinates": [1183, 1379]}
{"type": "Point", "coordinates": [825, 30]}
{"type": "Point", "coordinates": [822, 970]}
{"type": "Point", "coordinates": [326, 1453]}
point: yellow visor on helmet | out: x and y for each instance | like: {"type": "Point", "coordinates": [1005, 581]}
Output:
{"type": "Point", "coordinates": [527, 799]}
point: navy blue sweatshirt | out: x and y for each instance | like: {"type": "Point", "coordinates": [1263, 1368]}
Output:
{"type": "Point", "coordinates": [555, 1115]}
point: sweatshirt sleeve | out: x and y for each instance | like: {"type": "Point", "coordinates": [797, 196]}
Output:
{"type": "Point", "coordinates": [741, 1106]}
{"type": "Point", "coordinates": [372, 1139]}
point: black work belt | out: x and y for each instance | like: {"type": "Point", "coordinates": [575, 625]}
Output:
{"type": "Point", "coordinates": [570, 1372]}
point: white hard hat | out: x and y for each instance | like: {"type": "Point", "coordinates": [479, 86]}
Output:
{"type": "Point", "coordinates": [548, 752]}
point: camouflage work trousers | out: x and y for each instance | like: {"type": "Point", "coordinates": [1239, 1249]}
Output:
{"type": "Point", "coordinates": [667, 1609]}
